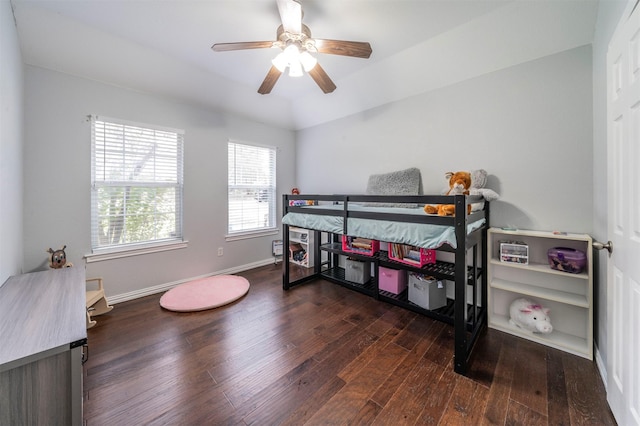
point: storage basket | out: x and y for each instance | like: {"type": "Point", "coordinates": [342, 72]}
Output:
{"type": "Point", "coordinates": [567, 259]}
{"type": "Point", "coordinates": [514, 252]}
{"type": "Point", "coordinates": [411, 255]}
{"type": "Point", "coordinates": [361, 246]}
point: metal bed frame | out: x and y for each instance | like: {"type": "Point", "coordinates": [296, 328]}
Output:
{"type": "Point", "coordinates": [468, 319]}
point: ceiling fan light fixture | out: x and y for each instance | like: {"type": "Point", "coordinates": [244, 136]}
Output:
{"type": "Point", "coordinates": [292, 58]}
{"type": "Point", "coordinates": [291, 53]}
{"type": "Point", "coordinates": [295, 69]}
{"type": "Point", "coordinates": [307, 61]}
{"type": "Point", "coordinates": [280, 62]}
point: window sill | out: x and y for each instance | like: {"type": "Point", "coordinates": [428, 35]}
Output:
{"type": "Point", "coordinates": [128, 252]}
{"type": "Point", "coordinates": [251, 234]}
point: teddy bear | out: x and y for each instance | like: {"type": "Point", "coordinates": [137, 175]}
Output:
{"type": "Point", "coordinates": [477, 179]}
{"type": "Point", "coordinates": [459, 184]}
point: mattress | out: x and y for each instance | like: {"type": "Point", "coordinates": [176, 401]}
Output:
{"type": "Point", "coordinates": [424, 235]}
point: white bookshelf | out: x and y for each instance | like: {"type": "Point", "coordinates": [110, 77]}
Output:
{"type": "Point", "coordinates": [304, 238]}
{"type": "Point", "coordinates": [569, 296]}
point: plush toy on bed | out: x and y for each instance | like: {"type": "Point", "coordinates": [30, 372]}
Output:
{"type": "Point", "coordinates": [459, 183]}
{"type": "Point", "coordinates": [477, 181]}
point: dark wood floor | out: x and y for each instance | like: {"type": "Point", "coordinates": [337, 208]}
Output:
{"type": "Point", "coordinates": [321, 354]}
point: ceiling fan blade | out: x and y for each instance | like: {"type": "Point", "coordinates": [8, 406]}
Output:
{"type": "Point", "coordinates": [225, 47]}
{"type": "Point", "coordinates": [290, 15]}
{"type": "Point", "coordinates": [358, 49]}
{"type": "Point", "coordinates": [322, 79]}
{"type": "Point", "coordinates": [269, 81]}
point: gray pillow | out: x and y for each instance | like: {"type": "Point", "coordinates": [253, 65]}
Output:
{"type": "Point", "coordinates": [402, 182]}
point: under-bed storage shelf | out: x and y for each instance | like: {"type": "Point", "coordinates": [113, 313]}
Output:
{"type": "Point", "coordinates": [337, 275]}
{"type": "Point", "coordinates": [567, 295]}
{"type": "Point", "coordinates": [440, 270]}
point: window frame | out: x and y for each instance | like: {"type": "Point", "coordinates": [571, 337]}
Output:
{"type": "Point", "coordinates": [176, 184]}
{"type": "Point", "coordinates": [272, 189]}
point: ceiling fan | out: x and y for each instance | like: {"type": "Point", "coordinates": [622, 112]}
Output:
{"type": "Point", "coordinates": [295, 41]}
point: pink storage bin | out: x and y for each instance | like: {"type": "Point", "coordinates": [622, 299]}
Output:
{"type": "Point", "coordinates": [351, 245]}
{"type": "Point", "coordinates": [392, 280]}
{"type": "Point", "coordinates": [411, 255]}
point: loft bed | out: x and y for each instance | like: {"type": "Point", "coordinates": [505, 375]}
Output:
{"type": "Point", "coordinates": [460, 240]}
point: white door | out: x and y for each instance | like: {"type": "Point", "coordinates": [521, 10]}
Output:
{"type": "Point", "coordinates": [623, 183]}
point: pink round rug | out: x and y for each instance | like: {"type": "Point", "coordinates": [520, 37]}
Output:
{"type": "Point", "coordinates": [205, 293]}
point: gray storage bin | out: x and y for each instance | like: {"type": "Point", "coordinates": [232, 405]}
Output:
{"type": "Point", "coordinates": [427, 292]}
{"type": "Point", "coordinates": [357, 271]}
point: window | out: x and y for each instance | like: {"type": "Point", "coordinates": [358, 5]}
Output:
{"type": "Point", "coordinates": [252, 188]}
{"type": "Point", "coordinates": [136, 184]}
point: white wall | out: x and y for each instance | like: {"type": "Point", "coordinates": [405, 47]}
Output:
{"type": "Point", "coordinates": [11, 141]}
{"type": "Point", "coordinates": [609, 13]}
{"type": "Point", "coordinates": [529, 126]}
{"type": "Point", "coordinates": [57, 180]}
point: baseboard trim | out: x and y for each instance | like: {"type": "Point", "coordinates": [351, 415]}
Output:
{"type": "Point", "coordinates": [119, 298]}
{"type": "Point", "coordinates": [601, 367]}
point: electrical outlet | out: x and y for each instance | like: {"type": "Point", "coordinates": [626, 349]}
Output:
{"type": "Point", "coordinates": [220, 251]}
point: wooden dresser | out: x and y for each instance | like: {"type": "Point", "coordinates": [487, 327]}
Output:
{"type": "Point", "coordinates": [42, 331]}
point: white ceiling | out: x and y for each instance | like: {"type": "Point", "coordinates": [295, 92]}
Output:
{"type": "Point", "coordinates": [163, 47]}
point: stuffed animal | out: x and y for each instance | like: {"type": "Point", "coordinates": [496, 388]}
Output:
{"type": "Point", "coordinates": [58, 258]}
{"type": "Point", "coordinates": [459, 183]}
{"type": "Point", "coordinates": [478, 181]}
{"type": "Point", "coordinates": [530, 316]}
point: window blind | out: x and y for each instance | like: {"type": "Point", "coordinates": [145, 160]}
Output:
{"type": "Point", "coordinates": [137, 184]}
{"type": "Point", "coordinates": [252, 188]}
